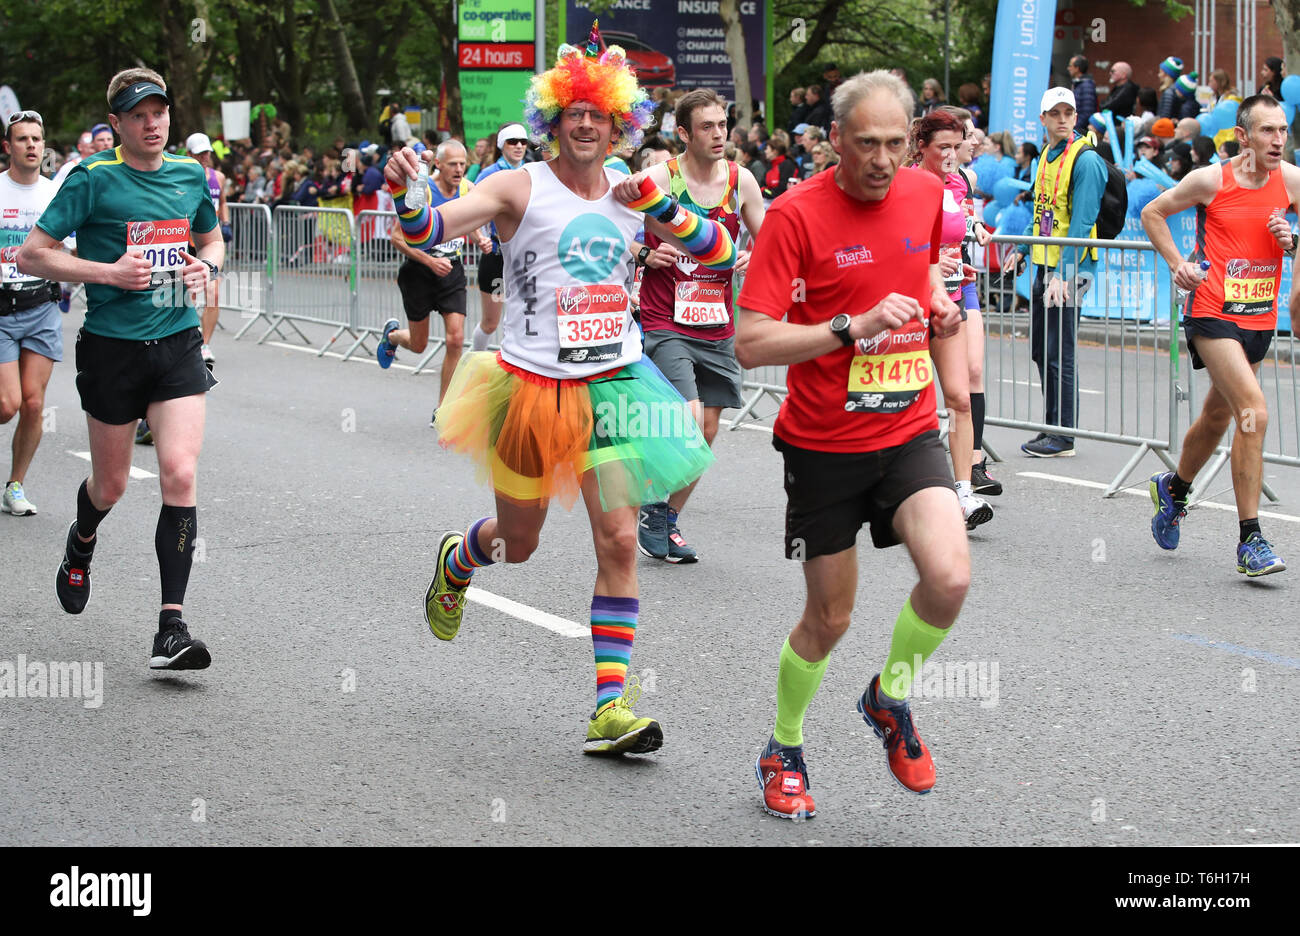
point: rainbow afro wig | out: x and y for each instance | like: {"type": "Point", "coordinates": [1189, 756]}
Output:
{"type": "Point", "coordinates": [602, 78]}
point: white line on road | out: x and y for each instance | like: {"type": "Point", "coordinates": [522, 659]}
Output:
{"type": "Point", "coordinates": [137, 473]}
{"type": "Point", "coordinates": [1026, 383]}
{"type": "Point", "coordinates": [338, 356]}
{"type": "Point", "coordinates": [523, 612]}
{"type": "Point", "coordinates": [1146, 494]}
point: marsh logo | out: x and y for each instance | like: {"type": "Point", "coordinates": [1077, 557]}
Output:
{"type": "Point", "coordinates": [84, 889]}
{"type": "Point", "coordinates": [590, 247]}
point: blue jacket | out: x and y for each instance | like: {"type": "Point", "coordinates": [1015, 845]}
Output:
{"type": "Point", "coordinates": [1085, 101]}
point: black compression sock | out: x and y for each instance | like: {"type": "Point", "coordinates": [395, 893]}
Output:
{"type": "Point", "coordinates": [1179, 488]}
{"type": "Point", "coordinates": [88, 520]}
{"type": "Point", "coordinates": [165, 616]}
{"type": "Point", "coordinates": [174, 542]}
{"type": "Point", "coordinates": [977, 417]}
{"type": "Point", "coordinates": [1248, 527]}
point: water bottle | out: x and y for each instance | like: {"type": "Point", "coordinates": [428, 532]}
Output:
{"type": "Point", "coordinates": [418, 187]}
{"type": "Point", "coordinates": [1182, 293]}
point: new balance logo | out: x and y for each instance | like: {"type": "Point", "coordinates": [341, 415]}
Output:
{"type": "Point", "coordinates": [448, 601]}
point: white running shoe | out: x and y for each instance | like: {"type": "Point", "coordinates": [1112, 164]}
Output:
{"type": "Point", "coordinates": [975, 510]}
{"type": "Point", "coordinates": [16, 502]}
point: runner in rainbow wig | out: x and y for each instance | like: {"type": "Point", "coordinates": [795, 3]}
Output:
{"type": "Point", "coordinates": [568, 405]}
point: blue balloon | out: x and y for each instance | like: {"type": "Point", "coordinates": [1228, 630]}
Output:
{"type": "Point", "coordinates": [1291, 89]}
{"type": "Point", "coordinates": [1004, 191]}
{"type": "Point", "coordinates": [991, 214]}
{"type": "Point", "coordinates": [1289, 110]}
{"type": "Point", "coordinates": [1015, 220]}
{"type": "Point", "coordinates": [1225, 115]}
{"type": "Point", "coordinates": [1141, 192]}
{"type": "Point", "coordinates": [1209, 121]}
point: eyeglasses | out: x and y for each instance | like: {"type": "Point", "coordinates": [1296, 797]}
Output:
{"type": "Point", "coordinates": [24, 115]}
{"type": "Point", "coordinates": [597, 117]}
{"type": "Point", "coordinates": [520, 142]}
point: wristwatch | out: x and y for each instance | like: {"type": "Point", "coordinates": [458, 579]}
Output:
{"type": "Point", "coordinates": [642, 255]}
{"type": "Point", "coordinates": [840, 328]}
{"type": "Point", "coordinates": [212, 268]}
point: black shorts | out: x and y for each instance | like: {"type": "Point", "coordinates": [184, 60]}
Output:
{"type": "Point", "coordinates": [424, 291]}
{"type": "Point", "coordinates": [491, 269]}
{"type": "Point", "coordinates": [1254, 343]}
{"type": "Point", "coordinates": [829, 495]}
{"type": "Point", "coordinates": [118, 379]}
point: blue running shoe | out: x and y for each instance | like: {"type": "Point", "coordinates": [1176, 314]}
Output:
{"type": "Point", "coordinates": [1169, 513]}
{"type": "Point", "coordinates": [386, 352]}
{"type": "Point", "coordinates": [1256, 557]}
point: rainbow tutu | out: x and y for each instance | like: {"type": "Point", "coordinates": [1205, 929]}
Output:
{"type": "Point", "coordinates": [535, 437]}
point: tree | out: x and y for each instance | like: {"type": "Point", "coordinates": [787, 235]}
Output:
{"type": "Point", "coordinates": [729, 11]}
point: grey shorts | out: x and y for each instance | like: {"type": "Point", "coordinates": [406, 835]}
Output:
{"type": "Point", "coordinates": [38, 329]}
{"type": "Point", "coordinates": [698, 368]}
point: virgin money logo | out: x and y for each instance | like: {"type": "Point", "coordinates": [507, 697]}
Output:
{"type": "Point", "coordinates": [8, 254]}
{"type": "Point", "coordinates": [139, 233]}
{"type": "Point", "coordinates": [573, 300]}
{"type": "Point", "coordinates": [1236, 268]}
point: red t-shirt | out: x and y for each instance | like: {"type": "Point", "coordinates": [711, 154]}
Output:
{"type": "Point", "coordinates": [823, 253]}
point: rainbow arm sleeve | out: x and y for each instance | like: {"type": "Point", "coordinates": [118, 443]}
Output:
{"type": "Point", "coordinates": [421, 227]}
{"type": "Point", "coordinates": [707, 241]}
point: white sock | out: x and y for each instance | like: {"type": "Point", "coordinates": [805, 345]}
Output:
{"type": "Point", "coordinates": [480, 339]}
{"type": "Point", "coordinates": [963, 489]}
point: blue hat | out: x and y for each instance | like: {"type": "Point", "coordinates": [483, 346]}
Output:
{"type": "Point", "coordinates": [801, 128]}
{"type": "Point", "coordinates": [1098, 121]}
{"type": "Point", "coordinates": [1172, 66]}
{"type": "Point", "coordinates": [1187, 85]}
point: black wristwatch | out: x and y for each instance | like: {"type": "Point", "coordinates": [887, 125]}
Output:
{"type": "Point", "coordinates": [213, 272]}
{"type": "Point", "coordinates": [840, 328]}
{"type": "Point", "coordinates": [642, 255]}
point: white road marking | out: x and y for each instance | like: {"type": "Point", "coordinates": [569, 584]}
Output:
{"type": "Point", "coordinates": [1147, 494]}
{"type": "Point", "coordinates": [138, 473]}
{"type": "Point", "coordinates": [523, 612]}
{"type": "Point", "coordinates": [1026, 383]}
{"type": "Point", "coordinates": [746, 425]}
{"type": "Point", "coordinates": [356, 358]}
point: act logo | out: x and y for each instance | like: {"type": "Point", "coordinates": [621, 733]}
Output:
{"type": "Point", "coordinates": [590, 247]}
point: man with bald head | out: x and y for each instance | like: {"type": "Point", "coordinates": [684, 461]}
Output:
{"type": "Point", "coordinates": [433, 279]}
{"type": "Point", "coordinates": [1187, 130]}
{"type": "Point", "coordinates": [1123, 90]}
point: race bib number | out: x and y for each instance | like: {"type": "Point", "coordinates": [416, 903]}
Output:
{"type": "Point", "coordinates": [592, 322]}
{"type": "Point", "coordinates": [887, 383]}
{"type": "Point", "coordinates": [449, 249]}
{"type": "Point", "coordinates": [162, 243]}
{"type": "Point", "coordinates": [1249, 286]}
{"type": "Point", "coordinates": [700, 305]}
{"type": "Point", "coordinates": [952, 282]}
{"type": "Point", "coordinates": [9, 265]}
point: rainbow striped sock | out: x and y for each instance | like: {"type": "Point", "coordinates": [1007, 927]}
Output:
{"type": "Point", "coordinates": [421, 227]}
{"type": "Point", "coordinates": [707, 241]}
{"type": "Point", "coordinates": [613, 627]}
{"type": "Point", "coordinates": [466, 557]}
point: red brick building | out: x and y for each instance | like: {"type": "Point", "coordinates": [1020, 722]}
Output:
{"type": "Point", "coordinates": [1145, 35]}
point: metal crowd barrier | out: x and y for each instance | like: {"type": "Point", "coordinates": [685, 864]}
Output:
{"type": "Point", "coordinates": [327, 267]}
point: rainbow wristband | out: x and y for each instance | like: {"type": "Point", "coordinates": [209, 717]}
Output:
{"type": "Point", "coordinates": [707, 241]}
{"type": "Point", "coordinates": [421, 227]}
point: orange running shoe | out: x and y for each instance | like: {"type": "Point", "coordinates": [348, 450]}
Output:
{"type": "Point", "coordinates": [784, 779]}
{"type": "Point", "coordinates": [909, 758]}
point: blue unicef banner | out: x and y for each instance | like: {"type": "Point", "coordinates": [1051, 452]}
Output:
{"type": "Point", "coordinates": [675, 43]}
{"type": "Point", "coordinates": [1022, 62]}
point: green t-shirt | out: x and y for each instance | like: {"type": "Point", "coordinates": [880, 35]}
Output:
{"type": "Point", "coordinates": [111, 205]}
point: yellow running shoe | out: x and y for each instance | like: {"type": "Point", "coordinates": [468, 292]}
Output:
{"type": "Point", "coordinates": [615, 729]}
{"type": "Point", "coordinates": [444, 603]}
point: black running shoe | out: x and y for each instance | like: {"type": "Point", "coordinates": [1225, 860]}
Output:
{"type": "Point", "coordinates": [981, 482]}
{"type": "Point", "coordinates": [72, 584]}
{"type": "Point", "coordinates": [175, 649]}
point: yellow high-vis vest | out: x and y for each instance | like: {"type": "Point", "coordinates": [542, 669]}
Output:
{"type": "Point", "coordinates": [1052, 190]}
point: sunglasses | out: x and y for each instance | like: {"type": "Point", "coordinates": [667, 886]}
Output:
{"type": "Point", "coordinates": [514, 142]}
{"type": "Point", "coordinates": [24, 115]}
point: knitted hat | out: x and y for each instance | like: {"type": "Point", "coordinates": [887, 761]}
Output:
{"type": "Point", "coordinates": [1187, 85]}
{"type": "Point", "coordinates": [1164, 127]}
{"type": "Point", "coordinates": [1098, 122]}
{"type": "Point", "coordinates": [1172, 66]}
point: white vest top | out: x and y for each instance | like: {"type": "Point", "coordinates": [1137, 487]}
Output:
{"type": "Point", "coordinates": [556, 324]}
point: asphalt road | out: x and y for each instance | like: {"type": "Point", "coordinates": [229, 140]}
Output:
{"type": "Point", "coordinates": [1129, 696]}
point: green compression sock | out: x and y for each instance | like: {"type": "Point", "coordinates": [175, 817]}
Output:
{"type": "Point", "coordinates": [796, 684]}
{"type": "Point", "coordinates": [912, 643]}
